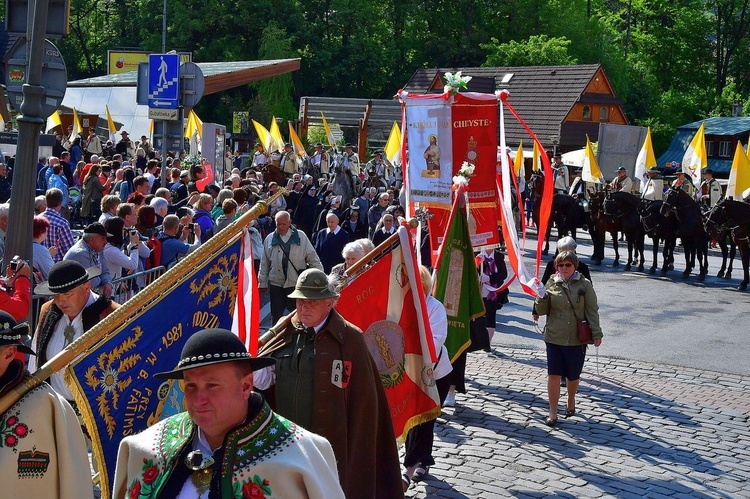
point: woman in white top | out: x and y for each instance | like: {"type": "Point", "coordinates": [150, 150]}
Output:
{"type": "Point", "coordinates": [418, 456]}
{"type": "Point", "coordinates": [117, 259]}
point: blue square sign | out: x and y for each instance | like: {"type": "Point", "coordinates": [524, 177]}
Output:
{"type": "Point", "coordinates": [164, 81]}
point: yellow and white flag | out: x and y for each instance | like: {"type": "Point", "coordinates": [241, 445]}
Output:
{"type": "Point", "coordinates": [299, 149]}
{"type": "Point", "coordinates": [329, 135]}
{"type": "Point", "coordinates": [110, 125]}
{"type": "Point", "coordinates": [739, 177]}
{"type": "Point", "coordinates": [536, 160]}
{"type": "Point", "coordinates": [695, 158]}
{"type": "Point", "coordinates": [77, 128]}
{"type": "Point", "coordinates": [52, 122]}
{"type": "Point", "coordinates": [591, 171]}
{"type": "Point", "coordinates": [151, 130]}
{"type": "Point", "coordinates": [646, 158]}
{"type": "Point", "coordinates": [264, 136]}
{"type": "Point", "coordinates": [278, 140]}
{"type": "Point", "coordinates": [518, 160]}
{"type": "Point", "coordinates": [393, 146]}
{"type": "Point", "coordinates": [194, 132]}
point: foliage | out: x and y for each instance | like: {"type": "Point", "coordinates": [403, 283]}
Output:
{"type": "Point", "coordinates": [536, 50]}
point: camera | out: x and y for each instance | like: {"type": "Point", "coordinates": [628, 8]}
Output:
{"type": "Point", "coordinates": [16, 263]}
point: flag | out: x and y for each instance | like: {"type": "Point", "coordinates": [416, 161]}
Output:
{"type": "Point", "coordinates": [52, 122]}
{"type": "Point", "coordinates": [299, 149]}
{"type": "Point", "coordinates": [646, 158]}
{"type": "Point", "coordinates": [111, 125]}
{"type": "Point", "coordinates": [536, 164]}
{"type": "Point", "coordinates": [456, 279]}
{"type": "Point", "coordinates": [264, 136]}
{"type": "Point", "coordinates": [388, 303]}
{"type": "Point", "coordinates": [393, 145]}
{"type": "Point", "coordinates": [193, 132]}
{"type": "Point", "coordinates": [77, 128]}
{"type": "Point", "coordinates": [518, 161]}
{"type": "Point", "coordinates": [113, 383]}
{"type": "Point", "coordinates": [246, 316]}
{"type": "Point", "coordinates": [739, 176]}
{"type": "Point", "coordinates": [695, 158]}
{"type": "Point", "coordinates": [278, 140]}
{"type": "Point", "coordinates": [329, 135]}
{"type": "Point", "coordinates": [151, 129]}
{"type": "Point", "coordinates": [591, 171]}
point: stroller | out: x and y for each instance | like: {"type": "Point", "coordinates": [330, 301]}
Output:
{"type": "Point", "coordinates": [74, 204]}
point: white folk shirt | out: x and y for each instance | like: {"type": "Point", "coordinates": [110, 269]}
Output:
{"type": "Point", "coordinates": [654, 189]}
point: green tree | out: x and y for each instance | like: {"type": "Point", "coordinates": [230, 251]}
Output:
{"type": "Point", "coordinates": [538, 50]}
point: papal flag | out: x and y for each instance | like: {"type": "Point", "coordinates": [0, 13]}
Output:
{"type": "Point", "coordinates": [591, 171]}
{"type": "Point", "coordinates": [393, 145]}
{"type": "Point", "coordinates": [278, 140]}
{"type": "Point", "coordinates": [536, 161]}
{"type": "Point", "coordinates": [329, 134]}
{"type": "Point", "coordinates": [299, 148]}
{"type": "Point", "coordinates": [388, 303]}
{"type": "Point", "coordinates": [456, 279]}
{"type": "Point", "coordinates": [645, 159]}
{"type": "Point", "coordinates": [739, 176]}
{"type": "Point", "coordinates": [264, 136]}
{"type": "Point", "coordinates": [695, 158]}
{"type": "Point", "coordinates": [52, 122]}
{"type": "Point", "coordinates": [77, 128]}
{"type": "Point", "coordinates": [113, 382]}
{"type": "Point", "coordinates": [518, 161]}
{"type": "Point", "coordinates": [111, 125]}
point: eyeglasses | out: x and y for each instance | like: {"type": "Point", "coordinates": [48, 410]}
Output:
{"type": "Point", "coordinates": [561, 265]}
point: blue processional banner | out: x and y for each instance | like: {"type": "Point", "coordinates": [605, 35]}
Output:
{"type": "Point", "coordinates": [114, 384]}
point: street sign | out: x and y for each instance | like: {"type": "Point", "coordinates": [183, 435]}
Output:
{"type": "Point", "coordinates": [192, 84]}
{"type": "Point", "coordinates": [54, 76]}
{"type": "Point", "coordinates": [163, 114]}
{"type": "Point", "coordinates": [164, 81]}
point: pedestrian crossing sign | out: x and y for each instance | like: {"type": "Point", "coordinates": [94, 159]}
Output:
{"type": "Point", "coordinates": [164, 81]}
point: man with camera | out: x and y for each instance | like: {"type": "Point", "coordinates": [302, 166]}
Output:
{"type": "Point", "coordinates": [88, 252]}
{"type": "Point", "coordinates": [15, 289]}
{"type": "Point", "coordinates": [174, 237]}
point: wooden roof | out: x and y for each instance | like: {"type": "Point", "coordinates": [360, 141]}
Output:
{"type": "Point", "coordinates": [348, 112]}
{"type": "Point", "coordinates": [542, 95]}
{"type": "Point", "coordinates": [219, 76]}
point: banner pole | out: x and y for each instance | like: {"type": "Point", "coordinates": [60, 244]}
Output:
{"type": "Point", "coordinates": [114, 322]}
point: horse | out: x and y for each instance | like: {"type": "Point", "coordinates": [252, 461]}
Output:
{"type": "Point", "coordinates": [343, 182]}
{"type": "Point", "coordinates": [603, 224]}
{"type": "Point", "coordinates": [720, 234]}
{"type": "Point", "coordinates": [735, 216]}
{"type": "Point", "coordinates": [693, 235]}
{"type": "Point", "coordinates": [372, 179]}
{"type": "Point", "coordinates": [659, 228]}
{"type": "Point", "coordinates": [272, 173]}
{"type": "Point", "coordinates": [623, 206]}
{"type": "Point", "coordinates": [308, 168]}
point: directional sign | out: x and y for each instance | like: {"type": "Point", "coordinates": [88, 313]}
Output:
{"type": "Point", "coordinates": [164, 81]}
{"type": "Point", "coordinates": [155, 113]}
{"type": "Point", "coordinates": [54, 76]}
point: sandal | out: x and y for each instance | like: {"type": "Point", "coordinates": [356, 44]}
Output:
{"type": "Point", "coordinates": [405, 481]}
{"type": "Point", "coordinates": [570, 412]}
{"type": "Point", "coordinates": [420, 473]}
{"type": "Point", "coordinates": [550, 422]}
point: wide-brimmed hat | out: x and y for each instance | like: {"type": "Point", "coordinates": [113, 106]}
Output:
{"type": "Point", "coordinates": [312, 284]}
{"type": "Point", "coordinates": [13, 333]}
{"type": "Point", "coordinates": [318, 144]}
{"type": "Point", "coordinates": [96, 228]}
{"type": "Point", "coordinates": [348, 145]}
{"type": "Point", "coordinates": [621, 169]}
{"type": "Point", "coordinates": [213, 346]}
{"type": "Point", "coordinates": [709, 171]}
{"type": "Point", "coordinates": [64, 276]}
{"type": "Point", "coordinates": [653, 169]}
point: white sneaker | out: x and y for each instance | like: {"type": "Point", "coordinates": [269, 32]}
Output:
{"type": "Point", "coordinates": [450, 400]}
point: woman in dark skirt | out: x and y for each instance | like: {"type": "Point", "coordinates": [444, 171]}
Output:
{"type": "Point", "coordinates": [492, 274]}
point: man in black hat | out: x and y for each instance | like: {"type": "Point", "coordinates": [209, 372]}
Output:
{"type": "Point", "coordinates": [43, 452]}
{"type": "Point", "coordinates": [320, 159]}
{"type": "Point", "coordinates": [621, 183]}
{"type": "Point", "coordinates": [326, 381]}
{"type": "Point", "coordinates": [289, 160]}
{"type": "Point", "coordinates": [381, 165]}
{"type": "Point", "coordinates": [73, 310]}
{"type": "Point", "coordinates": [88, 251]}
{"type": "Point", "coordinates": [561, 175]}
{"type": "Point", "coordinates": [351, 162]}
{"type": "Point", "coordinates": [711, 192]}
{"type": "Point", "coordinates": [260, 157]}
{"type": "Point", "coordinates": [124, 146]}
{"type": "Point", "coordinates": [229, 443]}
{"type": "Point", "coordinates": [653, 189]}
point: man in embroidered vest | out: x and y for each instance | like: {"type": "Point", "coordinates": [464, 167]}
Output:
{"type": "Point", "coordinates": [229, 443]}
{"type": "Point", "coordinates": [653, 189]}
{"type": "Point", "coordinates": [621, 183]}
{"type": "Point", "coordinates": [73, 310]}
{"type": "Point", "coordinates": [326, 381]}
{"type": "Point", "coordinates": [42, 452]}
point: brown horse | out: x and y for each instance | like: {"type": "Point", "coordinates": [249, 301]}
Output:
{"type": "Point", "coordinates": [272, 173]}
{"type": "Point", "coordinates": [603, 224]}
{"type": "Point", "coordinates": [735, 216]}
{"type": "Point", "coordinates": [694, 238]}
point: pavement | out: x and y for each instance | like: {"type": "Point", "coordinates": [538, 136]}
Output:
{"type": "Point", "coordinates": [662, 410]}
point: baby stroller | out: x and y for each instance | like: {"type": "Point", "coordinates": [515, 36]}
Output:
{"type": "Point", "coordinates": [74, 203]}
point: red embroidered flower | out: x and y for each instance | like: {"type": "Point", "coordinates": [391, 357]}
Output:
{"type": "Point", "coordinates": [251, 490]}
{"type": "Point", "coordinates": [21, 430]}
{"type": "Point", "coordinates": [135, 491]}
{"type": "Point", "coordinates": [266, 482]}
{"type": "Point", "coordinates": [150, 475]}
{"type": "Point", "coordinates": [11, 421]}
{"type": "Point", "coordinates": [11, 440]}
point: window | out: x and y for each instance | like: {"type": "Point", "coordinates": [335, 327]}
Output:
{"type": "Point", "coordinates": [710, 148]}
{"type": "Point", "coordinates": [586, 113]}
{"type": "Point", "coordinates": [506, 78]}
{"type": "Point", "coordinates": [603, 113]}
{"type": "Point", "coordinates": [724, 149]}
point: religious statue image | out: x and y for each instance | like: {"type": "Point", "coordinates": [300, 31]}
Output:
{"type": "Point", "coordinates": [432, 158]}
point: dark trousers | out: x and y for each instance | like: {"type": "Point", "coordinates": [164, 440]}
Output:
{"type": "Point", "coordinates": [280, 302]}
{"type": "Point", "coordinates": [420, 438]}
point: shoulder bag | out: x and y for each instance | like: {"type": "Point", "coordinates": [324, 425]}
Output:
{"type": "Point", "coordinates": [582, 325]}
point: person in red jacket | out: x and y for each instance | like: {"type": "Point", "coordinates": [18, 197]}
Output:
{"type": "Point", "coordinates": [15, 289]}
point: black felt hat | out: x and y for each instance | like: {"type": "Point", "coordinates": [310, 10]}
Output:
{"type": "Point", "coordinates": [64, 276]}
{"type": "Point", "coordinates": [213, 346]}
{"type": "Point", "coordinates": [348, 145]}
{"type": "Point", "coordinates": [96, 228]}
{"type": "Point", "coordinates": [13, 334]}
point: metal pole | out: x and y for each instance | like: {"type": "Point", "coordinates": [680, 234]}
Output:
{"type": "Point", "coordinates": [164, 174]}
{"type": "Point", "coordinates": [30, 123]}
{"type": "Point", "coordinates": [164, 29]}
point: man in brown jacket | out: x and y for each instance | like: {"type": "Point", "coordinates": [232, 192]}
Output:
{"type": "Point", "coordinates": [327, 382]}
